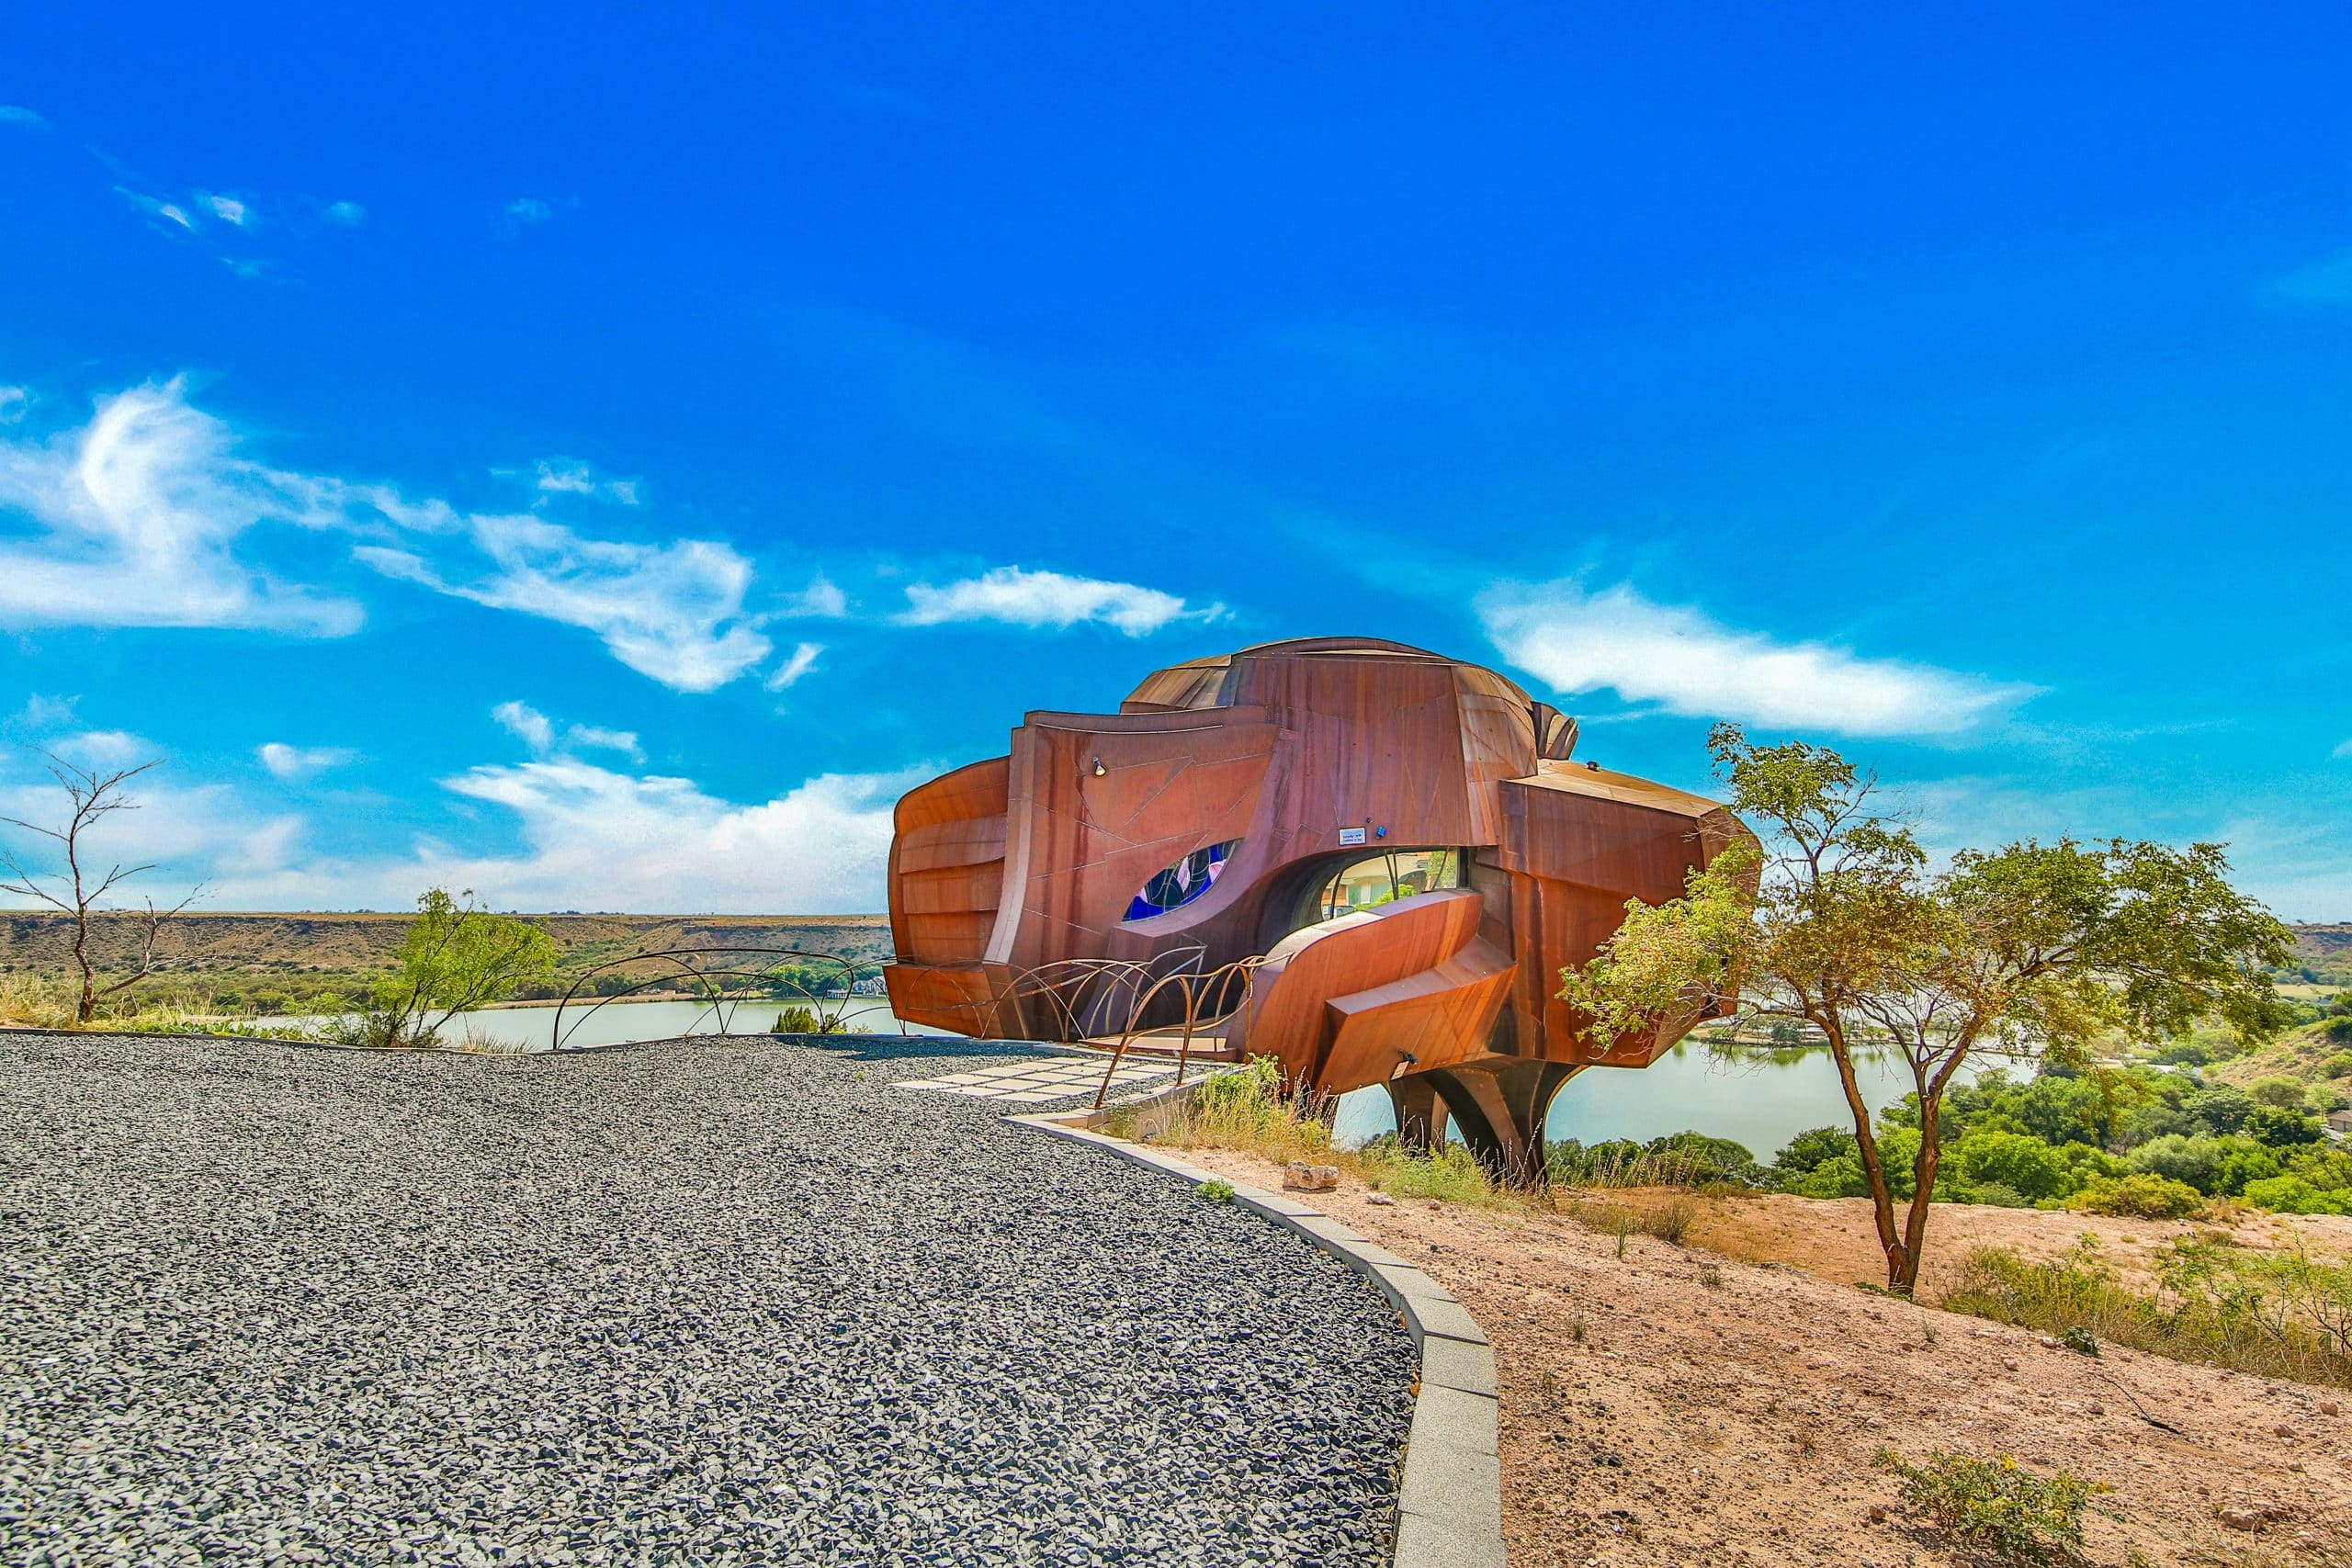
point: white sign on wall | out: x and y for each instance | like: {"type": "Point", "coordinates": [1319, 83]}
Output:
{"type": "Point", "coordinates": [1351, 835]}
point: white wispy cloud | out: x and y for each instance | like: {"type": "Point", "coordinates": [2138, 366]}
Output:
{"type": "Point", "coordinates": [295, 763]}
{"type": "Point", "coordinates": [561, 476]}
{"type": "Point", "coordinates": [1017, 596]}
{"type": "Point", "coordinates": [14, 403]}
{"type": "Point", "coordinates": [1686, 662]}
{"type": "Point", "coordinates": [156, 207]}
{"type": "Point", "coordinates": [228, 208]}
{"type": "Point", "coordinates": [803, 659]}
{"type": "Point", "coordinates": [582, 836]}
{"type": "Point", "coordinates": [538, 732]}
{"type": "Point", "coordinates": [344, 214]}
{"type": "Point", "coordinates": [134, 520]}
{"type": "Point", "coordinates": [526, 724]}
{"type": "Point", "coordinates": [672, 612]}
{"type": "Point", "coordinates": [820, 601]}
{"type": "Point", "coordinates": [2343, 750]}
{"type": "Point", "coordinates": [663, 843]}
{"type": "Point", "coordinates": [530, 211]}
{"type": "Point", "coordinates": [46, 713]}
{"type": "Point", "coordinates": [2327, 281]}
{"type": "Point", "coordinates": [18, 114]}
{"type": "Point", "coordinates": [105, 747]}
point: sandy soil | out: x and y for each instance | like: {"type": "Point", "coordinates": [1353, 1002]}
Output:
{"type": "Point", "coordinates": [1834, 1238]}
{"type": "Point", "coordinates": [1679, 1406]}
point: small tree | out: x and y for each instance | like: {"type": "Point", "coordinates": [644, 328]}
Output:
{"type": "Point", "coordinates": [76, 892]}
{"type": "Point", "coordinates": [2034, 949]}
{"type": "Point", "coordinates": [457, 956]}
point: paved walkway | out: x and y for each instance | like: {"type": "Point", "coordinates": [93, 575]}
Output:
{"type": "Point", "coordinates": [713, 1302]}
{"type": "Point", "coordinates": [1041, 1080]}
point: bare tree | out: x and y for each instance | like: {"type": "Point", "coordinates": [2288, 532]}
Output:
{"type": "Point", "coordinates": [94, 796]}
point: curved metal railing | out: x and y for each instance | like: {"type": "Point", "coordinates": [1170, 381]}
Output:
{"type": "Point", "coordinates": [1209, 999]}
{"type": "Point", "coordinates": [723, 989]}
{"type": "Point", "coordinates": [1069, 1000]}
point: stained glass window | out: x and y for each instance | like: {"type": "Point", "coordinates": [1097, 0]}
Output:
{"type": "Point", "coordinates": [1181, 882]}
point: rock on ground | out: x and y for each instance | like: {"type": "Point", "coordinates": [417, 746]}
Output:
{"type": "Point", "coordinates": [708, 1302]}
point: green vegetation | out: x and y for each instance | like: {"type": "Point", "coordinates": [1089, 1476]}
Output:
{"type": "Point", "coordinates": [216, 966]}
{"type": "Point", "coordinates": [2004, 1511]}
{"type": "Point", "coordinates": [457, 956]}
{"type": "Point", "coordinates": [2281, 1314]}
{"type": "Point", "coordinates": [2104, 1140]}
{"type": "Point", "coordinates": [1246, 1109]}
{"type": "Point", "coordinates": [1216, 1190]}
{"type": "Point", "coordinates": [1835, 922]}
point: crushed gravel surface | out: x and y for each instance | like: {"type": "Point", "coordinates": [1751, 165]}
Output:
{"type": "Point", "coordinates": [708, 1302]}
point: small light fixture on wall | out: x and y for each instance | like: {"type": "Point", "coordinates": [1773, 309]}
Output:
{"type": "Point", "coordinates": [1098, 769]}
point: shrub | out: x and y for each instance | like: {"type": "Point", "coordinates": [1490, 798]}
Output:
{"type": "Point", "coordinates": [2293, 1195]}
{"type": "Point", "coordinates": [2284, 1093]}
{"type": "Point", "coordinates": [1452, 1174]}
{"type": "Point", "coordinates": [2339, 1065]}
{"type": "Point", "coordinates": [1996, 1195]}
{"type": "Point", "coordinates": [797, 1020]}
{"type": "Point", "coordinates": [2213, 1165]}
{"type": "Point", "coordinates": [1810, 1149]}
{"type": "Point", "coordinates": [457, 956]}
{"type": "Point", "coordinates": [1681, 1159]}
{"type": "Point", "coordinates": [2219, 1108]}
{"type": "Point", "coordinates": [2283, 1129]}
{"type": "Point", "coordinates": [2016, 1160]}
{"type": "Point", "coordinates": [1216, 1190]}
{"type": "Point", "coordinates": [2140, 1196]}
{"type": "Point", "coordinates": [2272, 1315]}
{"type": "Point", "coordinates": [1246, 1109]}
{"type": "Point", "coordinates": [2003, 1510]}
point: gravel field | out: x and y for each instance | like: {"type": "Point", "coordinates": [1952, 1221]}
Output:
{"type": "Point", "coordinates": [739, 1301]}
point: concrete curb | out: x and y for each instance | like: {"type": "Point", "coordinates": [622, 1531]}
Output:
{"type": "Point", "coordinates": [1449, 1502]}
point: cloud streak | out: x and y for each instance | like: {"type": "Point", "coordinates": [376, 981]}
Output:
{"type": "Point", "coordinates": [1687, 663]}
{"type": "Point", "coordinates": [137, 519]}
{"type": "Point", "coordinates": [134, 521]}
{"type": "Point", "coordinates": [293, 764]}
{"type": "Point", "coordinates": [538, 732]}
{"type": "Point", "coordinates": [1016, 596]}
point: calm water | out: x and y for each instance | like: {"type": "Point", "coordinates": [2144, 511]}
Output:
{"type": "Point", "coordinates": [533, 1027]}
{"type": "Point", "coordinates": [1761, 1099]}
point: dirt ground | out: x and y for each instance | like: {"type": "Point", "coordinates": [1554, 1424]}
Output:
{"type": "Point", "coordinates": [1721, 1403]}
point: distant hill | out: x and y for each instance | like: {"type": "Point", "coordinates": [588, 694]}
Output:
{"type": "Point", "coordinates": [302, 955]}
{"type": "Point", "coordinates": [2322, 942]}
{"type": "Point", "coordinates": [223, 941]}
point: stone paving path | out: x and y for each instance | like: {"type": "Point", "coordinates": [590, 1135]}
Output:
{"type": "Point", "coordinates": [1042, 1080]}
{"type": "Point", "coordinates": [711, 1302]}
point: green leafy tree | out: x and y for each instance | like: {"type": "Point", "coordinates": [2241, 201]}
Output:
{"type": "Point", "coordinates": [1832, 918]}
{"type": "Point", "coordinates": [457, 956]}
{"type": "Point", "coordinates": [2018, 1161]}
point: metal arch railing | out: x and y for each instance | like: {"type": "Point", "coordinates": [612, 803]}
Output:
{"type": "Point", "coordinates": [1210, 999]}
{"type": "Point", "coordinates": [1072, 1000]}
{"type": "Point", "coordinates": [1084, 996]}
{"type": "Point", "coordinates": [721, 1001]}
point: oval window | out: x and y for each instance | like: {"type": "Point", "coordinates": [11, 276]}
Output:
{"type": "Point", "coordinates": [1181, 882]}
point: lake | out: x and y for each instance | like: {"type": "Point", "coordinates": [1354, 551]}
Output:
{"type": "Point", "coordinates": [532, 1028]}
{"type": "Point", "coordinates": [1757, 1098]}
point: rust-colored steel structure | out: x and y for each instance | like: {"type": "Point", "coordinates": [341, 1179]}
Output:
{"type": "Point", "coordinates": [1220, 815]}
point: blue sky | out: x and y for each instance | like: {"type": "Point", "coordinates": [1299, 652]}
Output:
{"type": "Point", "coordinates": [600, 456]}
